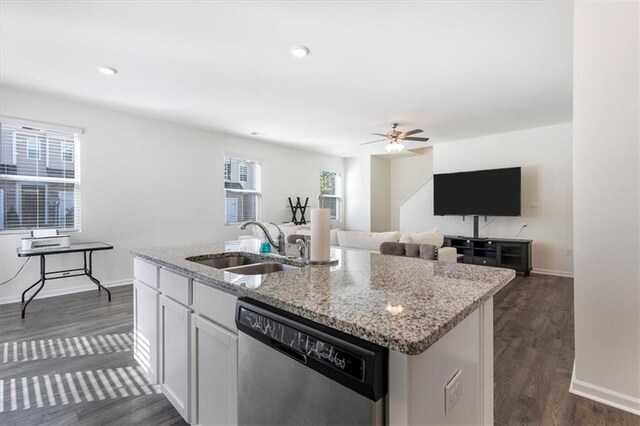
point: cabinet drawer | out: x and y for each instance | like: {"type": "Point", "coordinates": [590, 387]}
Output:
{"type": "Point", "coordinates": [175, 286]}
{"type": "Point", "coordinates": [216, 305]}
{"type": "Point", "coordinates": [487, 261]}
{"type": "Point", "coordinates": [145, 272]}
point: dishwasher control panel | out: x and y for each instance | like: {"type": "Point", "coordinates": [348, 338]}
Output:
{"type": "Point", "coordinates": [303, 343]}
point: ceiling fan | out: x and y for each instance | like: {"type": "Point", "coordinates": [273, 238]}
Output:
{"type": "Point", "coordinates": [395, 138]}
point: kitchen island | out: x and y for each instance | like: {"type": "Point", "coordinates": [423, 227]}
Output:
{"type": "Point", "coordinates": [434, 317]}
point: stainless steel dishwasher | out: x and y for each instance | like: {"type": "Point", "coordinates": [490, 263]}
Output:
{"type": "Point", "coordinates": [292, 371]}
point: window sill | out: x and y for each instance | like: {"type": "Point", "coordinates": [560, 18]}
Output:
{"type": "Point", "coordinates": [28, 231]}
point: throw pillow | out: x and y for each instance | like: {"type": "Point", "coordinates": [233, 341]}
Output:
{"type": "Point", "coordinates": [392, 249]}
{"type": "Point", "coordinates": [412, 250]}
{"type": "Point", "coordinates": [428, 251]}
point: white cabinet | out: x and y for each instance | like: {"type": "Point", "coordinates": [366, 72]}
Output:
{"type": "Point", "coordinates": [216, 305]}
{"type": "Point", "coordinates": [175, 346]}
{"type": "Point", "coordinates": [214, 366]}
{"type": "Point", "coordinates": [145, 272]}
{"type": "Point", "coordinates": [175, 286]}
{"type": "Point", "coordinates": [193, 356]}
{"type": "Point", "coordinates": [145, 328]}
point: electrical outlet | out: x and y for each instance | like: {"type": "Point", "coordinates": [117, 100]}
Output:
{"type": "Point", "coordinates": [452, 392]}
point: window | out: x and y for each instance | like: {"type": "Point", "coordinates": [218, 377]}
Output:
{"type": "Point", "coordinates": [33, 148]}
{"type": "Point", "coordinates": [38, 194]}
{"type": "Point", "coordinates": [67, 152]}
{"type": "Point", "coordinates": [242, 187]}
{"type": "Point", "coordinates": [330, 187]}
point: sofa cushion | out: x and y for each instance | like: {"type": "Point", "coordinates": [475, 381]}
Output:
{"type": "Point", "coordinates": [366, 240]}
{"type": "Point", "coordinates": [434, 237]}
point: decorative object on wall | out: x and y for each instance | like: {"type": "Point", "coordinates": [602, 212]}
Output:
{"type": "Point", "coordinates": [298, 207]}
{"type": "Point", "coordinates": [395, 138]}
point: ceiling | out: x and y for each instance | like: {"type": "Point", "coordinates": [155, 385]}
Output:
{"type": "Point", "coordinates": [455, 69]}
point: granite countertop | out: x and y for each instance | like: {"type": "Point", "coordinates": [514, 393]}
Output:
{"type": "Point", "coordinates": [404, 304]}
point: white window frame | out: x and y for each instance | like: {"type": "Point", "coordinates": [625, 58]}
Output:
{"type": "Point", "coordinates": [20, 179]}
{"type": "Point", "coordinates": [337, 195]}
{"type": "Point", "coordinates": [257, 180]}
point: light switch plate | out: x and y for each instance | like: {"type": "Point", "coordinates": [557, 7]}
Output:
{"type": "Point", "coordinates": [452, 392]}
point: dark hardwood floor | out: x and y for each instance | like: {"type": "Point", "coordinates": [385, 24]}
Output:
{"type": "Point", "coordinates": [70, 362]}
{"type": "Point", "coordinates": [533, 358]}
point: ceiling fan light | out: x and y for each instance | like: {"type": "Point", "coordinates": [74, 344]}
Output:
{"type": "Point", "coordinates": [394, 147]}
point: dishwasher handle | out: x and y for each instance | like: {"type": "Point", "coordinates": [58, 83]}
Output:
{"type": "Point", "coordinates": [291, 353]}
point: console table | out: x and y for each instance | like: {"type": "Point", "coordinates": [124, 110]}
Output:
{"type": "Point", "coordinates": [87, 269]}
{"type": "Point", "coordinates": [500, 252]}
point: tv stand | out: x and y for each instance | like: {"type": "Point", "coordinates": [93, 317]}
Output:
{"type": "Point", "coordinates": [500, 252]}
{"type": "Point", "coordinates": [476, 226]}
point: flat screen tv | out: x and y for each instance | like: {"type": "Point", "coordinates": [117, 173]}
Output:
{"type": "Point", "coordinates": [493, 192]}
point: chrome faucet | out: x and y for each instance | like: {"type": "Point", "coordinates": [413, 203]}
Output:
{"type": "Point", "coordinates": [304, 248]}
{"type": "Point", "coordinates": [280, 245]}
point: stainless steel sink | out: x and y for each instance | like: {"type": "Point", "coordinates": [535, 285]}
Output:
{"type": "Point", "coordinates": [242, 265]}
{"type": "Point", "coordinates": [261, 268]}
{"type": "Point", "coordinates": [224, 262]}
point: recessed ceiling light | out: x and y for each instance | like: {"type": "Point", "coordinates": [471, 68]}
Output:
{"type": "Point", "coordinates": [299, 51]}
{"type": "Point", "coordinates": [254, 133]}
{"type": "Point", "coordinates": [107, 70]}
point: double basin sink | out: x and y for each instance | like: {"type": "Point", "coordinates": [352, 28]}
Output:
{"type": "Point", "coordinates": [242, 265]}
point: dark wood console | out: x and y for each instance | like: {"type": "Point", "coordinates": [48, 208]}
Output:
{"type": "Point", "coordinates": [500, 252]}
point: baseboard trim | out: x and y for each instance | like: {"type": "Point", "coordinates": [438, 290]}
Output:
{"type": "Point", "coordinates": [603, 395]}
{"type": "Point", "coordinates": [59, 292]}
{"type": "Point", "coordinates": [552, 272]}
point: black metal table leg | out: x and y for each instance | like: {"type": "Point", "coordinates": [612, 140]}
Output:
{"type": "Point", "coordinates": [91, 277]}
{"type": "Point", "coordinates": [42, 280]}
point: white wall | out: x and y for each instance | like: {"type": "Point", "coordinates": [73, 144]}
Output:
{"type": "Point", "coordinates": [358, 193]}
{"type": "Point", "coordinates": [606, 198]}
{"type": "Point", "coordinates": [147, 183]}
{"type": "Point", "coordinates": [407, 174]}
{"type": "Point", "coordinates": [544, 153]}
{"type": "Point", "coordinates": [380, 194]}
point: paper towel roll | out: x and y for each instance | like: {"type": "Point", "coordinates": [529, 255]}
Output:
{"type": "Point", "coordinates": [320, 235]}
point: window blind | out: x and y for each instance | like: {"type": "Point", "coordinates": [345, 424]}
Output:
{"type": "Point", "coordinates": [242, 185]}
{"type": "Point", "coordinates": [330, 186]}
{"type": "Point", "coordinates": [39, 178]}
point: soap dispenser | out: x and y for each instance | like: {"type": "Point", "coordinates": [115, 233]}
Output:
{"type": "Point", "coordinates": [265, 245]}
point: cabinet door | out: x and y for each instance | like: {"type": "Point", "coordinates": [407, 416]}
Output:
{"type": "Point", "coordinates": [174, 354]}
{"type": "Point", "coordinates": [214, 362]}
{"type": "Point", "coordinates": [145, 329]}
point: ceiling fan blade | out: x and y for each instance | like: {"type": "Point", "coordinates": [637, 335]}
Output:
{"type": "Point", "coordinates": [379, 140]}
{"type": "Point", "coordinates": [413, 132]}
{"type": "Point", "coordinates": [379, 134]}
{"type": "Point", "coordinates": [416, 139]}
